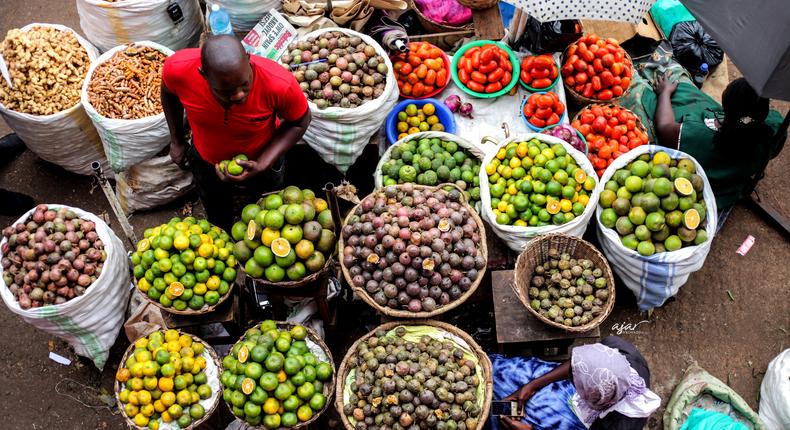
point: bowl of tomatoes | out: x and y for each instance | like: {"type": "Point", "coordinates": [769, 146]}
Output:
{"type": "Point", "coordinates": [610, 131]}
{"type": "Point", "coordinates": [596, 70]}
{"type": "Point", "coordinates": [485, 69]}
{"type": "Point", "coordinates": [422, 71]}
{"type": "Point", "coordinates": [543, 110]}
{"type": "Point", "coordinates": [539, 73]}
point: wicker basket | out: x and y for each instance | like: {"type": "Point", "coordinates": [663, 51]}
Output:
{"type": "Point", "coordinates": [479, 4]}
{"type": "Point", "coordinates": [537, 252]}
{"type": "Point", "coordinates": [329, 263]}
{"type": "Point", "coordinates": [216, 394]}
{"type": "Point", "coordinates": [204, 310]}
{"type": "Point", "coordinates": [579, 99]}
{"type": "Point", "coordinates": [329, 387]}
{"type": "Point", "coordinates": [399, 313]}
{"type": "Point", "coordinates": [639, 124]}
{"type": "Point", "coordinates": [482, 357]}
{"type": "Point", "coordinates": [435, 27]}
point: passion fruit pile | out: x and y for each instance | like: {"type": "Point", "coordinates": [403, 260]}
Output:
{"type": "Point", "coordinates": [567, 290]}
{"type": "Point", "coordinates": [337, 69]}
{"type": "Point", "coordinates": [413, 248]}
{"type": "Point", "coordinates": [402, 380]}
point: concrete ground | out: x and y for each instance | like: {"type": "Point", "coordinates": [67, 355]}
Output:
{"type": "Point", "coordinates": [732, 317]}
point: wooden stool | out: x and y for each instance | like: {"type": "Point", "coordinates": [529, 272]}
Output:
{"type": "Point", "coordinates": [517, 328]}
{"type": "Point", "coordinates": [229, 314]}
{"type": "Point", "coordinates": [315, 290]}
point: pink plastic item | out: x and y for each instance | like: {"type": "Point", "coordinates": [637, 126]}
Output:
{"type": "Point", "coordinates": [445, 12]}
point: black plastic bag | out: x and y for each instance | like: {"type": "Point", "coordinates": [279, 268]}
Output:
{"type": "Point", "coordinates": [692, 46]}
{"type": "Point", "coordinates": [549, 36]}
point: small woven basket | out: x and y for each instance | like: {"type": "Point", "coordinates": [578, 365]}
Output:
{"type": "Point", "coordinates": [435, 27]}
{"type": "Point", "coordinates": [482, 358]}
{"type": "Point", "coordinates": [537, 252]}
{"type": "Point", "coordinates": [399, 313]}
{"type": "Point", "coordinates": [479, 4]}
{"type": "Point", "coordinates": [579, 99]}
{"type": "Point", "coordinates": [216, 395]}
{"type": "Point", "coordinates": [329, 386]}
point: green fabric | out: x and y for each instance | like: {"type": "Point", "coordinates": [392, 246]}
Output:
{"type": "Point", "coordinates": [729, 173]}
{"type": "Point", "coordinates": [700, 419]}
{"type": "Point", "coordinates": [667, 13]}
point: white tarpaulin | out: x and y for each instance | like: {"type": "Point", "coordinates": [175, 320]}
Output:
{"type": "Point", "coordinates": [608, 10]}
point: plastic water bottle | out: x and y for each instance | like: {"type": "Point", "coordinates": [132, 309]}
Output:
{"type": "Point", "coordinates": [219, 21]}
{"type": "Point", "coordinates": [699, 77]}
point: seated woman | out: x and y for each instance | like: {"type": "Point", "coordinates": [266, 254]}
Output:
{"type": "Point", "coordinates": [603, 386]}
{"type": "Point", "coordinates": [733, 141]}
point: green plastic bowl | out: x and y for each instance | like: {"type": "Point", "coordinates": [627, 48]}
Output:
{"type": "Point", "coordinates": [514, 78]}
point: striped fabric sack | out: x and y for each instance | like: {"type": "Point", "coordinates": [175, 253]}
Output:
{"type": "Point", "coordinates": [339, 135]}
{"type": "Point", "coordinates": [91, 322]}
{"type": "Point", "coordinates": [658, 277]}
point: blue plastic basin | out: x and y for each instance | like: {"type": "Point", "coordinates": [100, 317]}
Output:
{"type": "Point", "coordinates": [444, 114]}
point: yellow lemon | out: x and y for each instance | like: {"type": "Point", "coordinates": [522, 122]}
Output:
{"type": "Point", "coordinates": [181, 242]}
{"type": "Point", "coordinates": [213, 283]}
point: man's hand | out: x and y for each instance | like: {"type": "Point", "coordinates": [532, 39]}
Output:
{"type": "Point", "coordinates": [178, 151]}
{"type": "Point", "coordinates": [512, 424]}
{"type": "Point", "coordinates": [251, 168]}
{"type": "Point", "coordinates": [665, 85]}
{"type": "Point", "coordinates": [522, 395]}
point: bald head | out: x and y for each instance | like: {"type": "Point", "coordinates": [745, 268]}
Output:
{"type": "Point", "coordinates": [226, 67]}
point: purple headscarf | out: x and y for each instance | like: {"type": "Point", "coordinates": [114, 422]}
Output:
{"type": "Point", "coordinates": [603, 378]}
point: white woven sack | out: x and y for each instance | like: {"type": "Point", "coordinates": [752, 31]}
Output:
{"type": "Point", "coordinates": [658, 277]}
{"type": "Point", "coordinates": [517, 238]}
{"type": "Point", "coordinates": [775, 393]}
{"type": "Point", "coordinates": [109, 24]}
{"type": "Point", "coordinates": [127, 141]}
{"type": "Point", "coordinates": [245, 14]}
{"type": "Point", "coordinates": [152, 183]}
{"type": "Point", "coordinates": [91, 322]}
{"type": "Point", "coordinates": [66, 138]}
{"type": "Point", "coordinates": [338, 134]}
{"type": "Point", "coordinates": [474, 149]}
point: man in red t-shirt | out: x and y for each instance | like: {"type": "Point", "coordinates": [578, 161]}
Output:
{"type": "Point", "coordinates": [235, 104]}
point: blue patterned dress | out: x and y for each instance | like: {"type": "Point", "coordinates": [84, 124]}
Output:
{"type": "Point", "coordinates": [548, 409]}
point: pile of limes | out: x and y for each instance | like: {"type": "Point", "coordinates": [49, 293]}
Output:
{"type": "Point", "coordinates": [413, 120]}
{"type": "Point", "coordinates": [272, 378]}
{"type": "Point", "coordinates": [164, 380]}
{"type": "Point", "coordinates": [185, 264]}
{"type": "Point", "coordinates": [433, 161]}
{"type": "Point", "coordinates": [533, 183]}
{"type": "Point", "coordinates": [286, 235]}
{"type": "Point", "coordinates": [656, 204]}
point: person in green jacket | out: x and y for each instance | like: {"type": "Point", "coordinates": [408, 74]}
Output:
{"type": "Point", "coordinates": [732, 141]}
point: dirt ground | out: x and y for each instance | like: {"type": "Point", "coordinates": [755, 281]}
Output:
{"type": "Point", "coordinates": [732, 317]}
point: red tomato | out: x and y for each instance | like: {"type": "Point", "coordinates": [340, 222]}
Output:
{"type": "Point", "coordinates": [539, 73]}
{"type": "Point", "coordinates": [596, 83]}
{"type": "Point", "coordinates": [496, 75]}
{"type": "Point", "coordinates": [488, 67]}
{"type": "Point", "coordinates": [580, 66]}
{"type": "Point", "coordinates": [581, 78]}
{"type": "Point", "coordinates": [526, 77]}
{"type": "Point", "coordinates": [599, 125]}
{"type": "Point", "coordinates": [441, 78]}
{"type": "Point", "coordinates": [476, 86]}
{"type": "Point", "coordinates": [478, 77]}
{"type": "Point", "coordinates": [588, 91]}
{"type": "Point", "coordinates": [537, 122]}
{"type": "Point", "coordinates": [541, 83]}
{"type": "Point", "coordinates": [559, 107]}
{"type": "Point", "coordinates": [463, 76]}
{"type": "Point", "coordinates": [605, 95]}
{"type": "Point", "coordinates": [553, 73]}
{"type": "Point", "coordinates": [506, 78]}
{"type": "Point", "coordinates": [543, 61]}
{"type": "Point", "coordinates": [570, 81]}
{"type": "Point", "coordinates": [607, 79]}
{"type": "Point", "coordinates": [586, 117]}
{"type": "Point", "coordinates": [493, 87]}
{"type": "Point", "coordinates": [567, 69]}
{"type": "Point", "coordinates": [553, 118]}
{"type": "Point", "coordinates": [545, 101]}
{"type": "Point", "coordinates": [543, 113]}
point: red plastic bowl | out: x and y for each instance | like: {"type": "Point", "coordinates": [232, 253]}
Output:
{"type": "Point", "coordinates": [436, 91]}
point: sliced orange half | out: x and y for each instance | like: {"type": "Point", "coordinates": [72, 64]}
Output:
{"type": "Point", "coordinates": [691, 219]}
{"type": "Point", "coordinates": [684, 186]}
{"type": "Point", "coordinates": [176, 289]}
{"type": "Point", "coordinates": [553, 207]}
{"type": "Point", "coordinates": [244, 354]}
{"type": "Point", "coordinates": [281, 247]}
{"type": "Point", "coordinates": [252, 228]}
{"type": "Point", "coordinates": [247, 386]}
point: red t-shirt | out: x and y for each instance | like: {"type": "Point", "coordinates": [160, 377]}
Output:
{"type": "Point", "coordinates": [248, 127]}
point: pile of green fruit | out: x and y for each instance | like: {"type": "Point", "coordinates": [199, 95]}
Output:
{"type": "Point", "coordinates": [568, 291]}
{"type": "Point", "coordinates": [533, 183]}
{"type": "Point", "coordinates": [271, 377]}
{"type": "Point", "coordinates": [184, 264]}
{"type": "Point", "coordinates": [286, 235]}
{"type": "Point", "coordinates": [232, 167]}
{"type": "Point", "coordinates": [431, 161]}
{"type": "Point", "coordinates": [655, 205]}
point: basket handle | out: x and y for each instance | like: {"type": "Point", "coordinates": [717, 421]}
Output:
{"type": "Point", "coordinates": [441, 187]}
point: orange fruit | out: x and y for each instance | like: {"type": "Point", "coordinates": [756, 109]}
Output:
{"type": "Point", "coordinates": [176, 289]}
{"type": "Point", "coordinates": [684, 186]}
{"type": "Point", "coordinates": [304, 249]}
{"type": "Point", "coordinates": [123, 374]}
{"type": "Point", "coordinates": [553, 207]}
{"type": "Point", "coordinates": [691, 219]}
{"type": "Point", "coordinates": [244, 354]}
{"type": "Point", "coordinates": [247, 386]}
{"type": "Point", "coordinates": [281, 247]}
